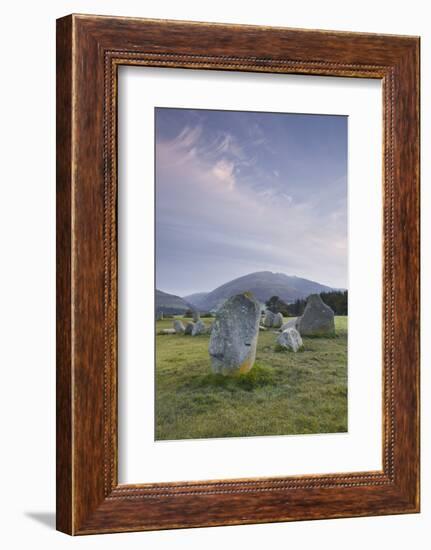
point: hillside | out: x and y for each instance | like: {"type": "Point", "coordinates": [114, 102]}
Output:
{"type": "Point", "coordinates": [170, 304]}
{"type": "Point", "coordinates": [197, 299]}
{"type": "Point", "coordinates": [263, 284]}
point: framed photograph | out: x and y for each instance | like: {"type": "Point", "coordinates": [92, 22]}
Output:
{"type": "Point", "coordinates": [237, 274]}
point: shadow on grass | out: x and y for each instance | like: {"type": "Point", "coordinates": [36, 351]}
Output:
{"type": "Point", "coordinates": [281, 349]}
{"type": "Point", "coordinates": [257, 377]}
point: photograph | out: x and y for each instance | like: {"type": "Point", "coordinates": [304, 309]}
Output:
{"type": "Point", "coordinates": [251, 273]}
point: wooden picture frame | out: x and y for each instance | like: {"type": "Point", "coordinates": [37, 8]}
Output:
{"type": "Point", "coordinates": [89, 51]}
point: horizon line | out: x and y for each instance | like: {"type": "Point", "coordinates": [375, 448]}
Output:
{"type": "Point", "coordinates": [183, 295]}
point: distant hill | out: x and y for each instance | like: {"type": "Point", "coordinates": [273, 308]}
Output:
{"type": "Point", "coordinates": [170, 304]}
{"type": "Point", "coordinates": [197, 299]}
{"type": "Point", "coordinates": [263, 284]}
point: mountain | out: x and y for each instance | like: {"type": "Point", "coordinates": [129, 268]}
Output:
{"type": "Point", "coordinates": [170, 304]}
{"type": "Point", "coordinates": [263, 284]}
{"type": "Point", "coordinates": [197, 300]}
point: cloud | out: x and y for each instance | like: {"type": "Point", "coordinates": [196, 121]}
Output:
{"type": "Point", "coordinates": [225, 143]}
{"type": "Point", "coordinates": [224, 172]}
{"type": "Point", "coordinates": [257, 134]}
{"type": "Point", "coordinates": [187, 138]}
{"type": "Point", "coordinates": [216, 161]}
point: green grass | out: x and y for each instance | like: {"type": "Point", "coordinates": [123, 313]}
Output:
{"type": "Point", "coordinates": [284, 393]}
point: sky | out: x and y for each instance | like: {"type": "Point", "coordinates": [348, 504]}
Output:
{"type": "Point", "coordinates": [238, 192]}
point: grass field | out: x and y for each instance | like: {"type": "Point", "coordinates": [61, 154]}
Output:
{"type": "Point", "coordinates": [284, 393]}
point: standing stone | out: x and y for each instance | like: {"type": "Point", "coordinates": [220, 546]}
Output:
{"type": "Point", "coordinates": [278, 320]}
{"type": "Point", "coordinates": [269, 319]}
{"type": "Point", "coordinates": [196, 316]}
{"type": "Point", "coordinates": [179, 327]}
{"type": "Point", "coordinates": [189, 328]}
{"type": "Point", "coordinates": [290, 339]}
{"type": "Point", "coordinates": [159, 316]}
{"type": "Point", "coordinates": [199, 328]}
{"type": "Point", "coordinates": [233, 341]}
{"type": "Point", "coordinates": [317, 319]}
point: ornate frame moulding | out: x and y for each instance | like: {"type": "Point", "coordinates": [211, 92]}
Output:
{"type": "Point", "coordinates": [89, 51]}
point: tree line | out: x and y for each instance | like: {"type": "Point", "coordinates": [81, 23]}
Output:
{"type": "Point", "coordinates": [336, 300]}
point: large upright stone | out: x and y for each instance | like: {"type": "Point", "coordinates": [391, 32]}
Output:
{"type": "Point", "coordinates": [233, 341]}
{"type": "Point", "coordinates": [269, 319]}
{"type": "Point", "coordinates": [179, 326]}
{"type": "Point", "coordinates": [196, 316]}
{"type": "Point", "coordinates": [317, 319]}
{"type": "Point", "coordinates": [278, 320]}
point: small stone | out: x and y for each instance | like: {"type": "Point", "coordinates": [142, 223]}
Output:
{"type": "Point", "coordinates": [189, 328]}
{"type": "Point", "coordinates": [167, 331]}
{"type": "Point", "coordinates": [261, 328]}
{"type": "Point", "coordinates": [269, 319]}
{"type": "Point", "coordinates": [199, 328]}
{"type": "Point", "coordinates": [277, 320]}
{"type": "Point", "coordinates": [290, 339]}
{"type": "Point", "coordinates": [179, 327]}
{"type": "Point", "coordinates": [291, 323]}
